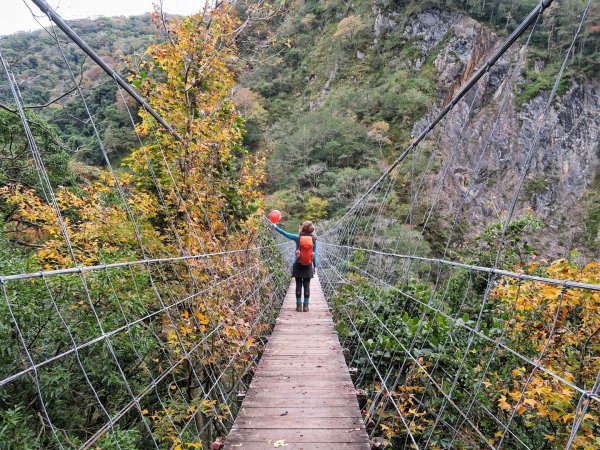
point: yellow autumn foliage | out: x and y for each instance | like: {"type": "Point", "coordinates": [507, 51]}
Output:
{"type": "Point", "coordinates": [561, 327]}
{"type": "Point", "coordinates": [188, 196]}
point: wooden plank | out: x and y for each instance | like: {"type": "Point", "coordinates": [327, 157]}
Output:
{"type": "Point", "coordinates": [297, 352]}
{"type": "Point", "coordinates": [300, 412]}
{"type": "Point", "coordinates": [332, 387]}
{"type": "Point", "coordinates": [268, 395]}
{"type": "Point", "coordinates": [308, 335]}
{"type": "Point", "coordinates": [316, 363]}
{"type": "Point", "coordinates": [293, 422]}
{"type": "Point", "coordinates": [268, 383]}
{"type": "Point", "coordinates": [311, 402]}
{"type": "Point", "coordinates": [288, 374]}
{"type": "Point", "coordinates": [300, 344]}
{"type": "Point", "coordinates": [296, 446]}
{"type": "Point", "coordinates": [300, 358]}
{"type": "Point", "coordinates": [309, 365]}
{"type": "Point", "coordinates": [292, 435]}
{"type": "Point", "coordinates": [272, 365]}
{"type": "Point", "coordinates": [299, 372]}
{"type": "Point", "coordinates": [306, 348]}
{"type": "Point", "coordinates": [291, 377]}
{"type": "Point", "coordinates": [301, 391]}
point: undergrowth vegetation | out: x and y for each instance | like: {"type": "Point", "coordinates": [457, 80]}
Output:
{"type": "Point", "coordinates": [451, 339]}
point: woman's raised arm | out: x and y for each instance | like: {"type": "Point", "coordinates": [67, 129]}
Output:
{"type": "Point", "coordinates": [293, 237]}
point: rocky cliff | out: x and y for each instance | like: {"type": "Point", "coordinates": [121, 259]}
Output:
{"type": "Point", "coordinates": [485, 140]}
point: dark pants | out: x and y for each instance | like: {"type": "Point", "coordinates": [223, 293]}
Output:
{"type": "Point", "coordinates": [302, 283]}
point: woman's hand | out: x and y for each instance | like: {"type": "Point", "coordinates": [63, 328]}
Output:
{"type": "Point", "coordinates": [268, 222]}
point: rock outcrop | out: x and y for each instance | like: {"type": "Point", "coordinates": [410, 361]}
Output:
{"type": "Point", "coordinates": [485, 158]}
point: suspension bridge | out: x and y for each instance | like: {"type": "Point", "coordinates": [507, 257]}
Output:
{"type": "Point", "coordinates": [400, 348]}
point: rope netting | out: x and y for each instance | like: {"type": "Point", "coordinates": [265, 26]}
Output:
{"type": "Point", "coordinates": [464, 350]}
{"type": "Point", "coordinates": [149, 305]}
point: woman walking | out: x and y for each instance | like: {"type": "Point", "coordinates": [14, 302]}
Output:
{"type": "Point", "coordinates": [305, 262]}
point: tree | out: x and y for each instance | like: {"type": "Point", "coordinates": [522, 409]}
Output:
{"type": "Point", "coordinates": [171, 197]}
{"type": "Point", "coordinates": [377, 133]}
{"type": "Point", "coordinates": [189, 82]}
{"type": "Point", "coordinates": [349, 27]}
{"type": "Point", "coordinates": [322, 136]}
{"type": "Point", "coordinates": [315, 208]}
{"type": "Point", "coordinates": [16, 163]}
{"type": "Point", "coordinates": [250, 105]}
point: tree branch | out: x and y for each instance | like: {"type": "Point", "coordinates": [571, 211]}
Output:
{"type": "Point", "coordinates": [26, 244]}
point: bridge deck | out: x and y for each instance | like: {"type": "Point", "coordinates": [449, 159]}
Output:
{"type": "Point", "coordinates": [301, 394]}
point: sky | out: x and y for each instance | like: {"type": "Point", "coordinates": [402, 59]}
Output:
{"type": "Point", "coordinates": [16, 16]}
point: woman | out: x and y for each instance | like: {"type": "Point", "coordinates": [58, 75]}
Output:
{"type": "Point", "coordinates": [305, 262]}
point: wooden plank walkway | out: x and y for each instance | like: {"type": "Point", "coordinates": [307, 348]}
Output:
{"type": "Point", "coordinates": [301, 394]}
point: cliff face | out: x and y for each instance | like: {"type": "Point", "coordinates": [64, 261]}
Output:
{"type": "Point", "coordinates": [346, 84]}
{"type": "Point", "coordinates": [485, 140]}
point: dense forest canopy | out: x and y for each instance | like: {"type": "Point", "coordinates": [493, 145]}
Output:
{"type": "Point", "coordinates": [36, 60]}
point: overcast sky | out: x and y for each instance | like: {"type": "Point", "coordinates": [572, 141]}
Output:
{"type": "Point", "coordinates": [16, 17]}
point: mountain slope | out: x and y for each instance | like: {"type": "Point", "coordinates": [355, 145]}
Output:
{"type": "Point", "coordinates": [44, 79]}
{"type": "Point", "coordinates": [344, 88]}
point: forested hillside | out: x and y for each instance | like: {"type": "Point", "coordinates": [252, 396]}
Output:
{"type": "Point", "coordinates": [37, 63]}
{"type": "Point", "coordinates": [342, 90]}
{"type": "Point", "coordinates": [333, 91]}
{"type": "Point", "coordinates": [344, 86]}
